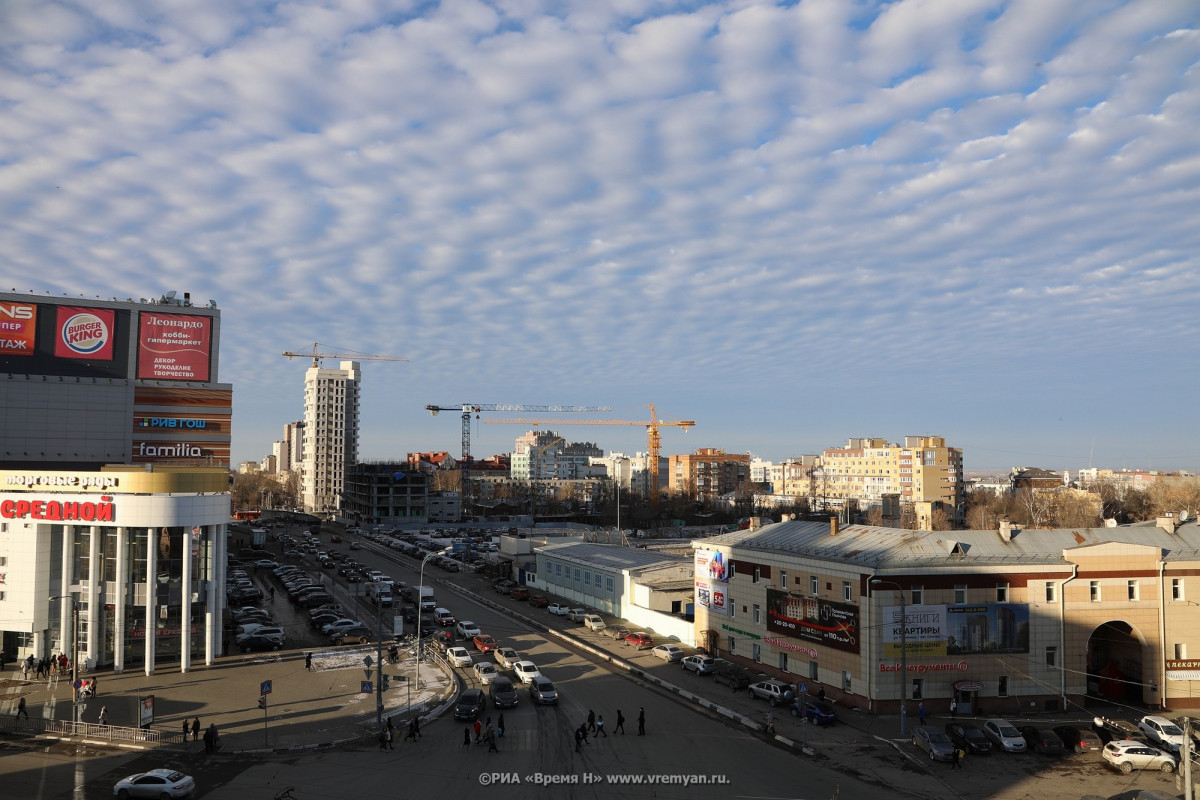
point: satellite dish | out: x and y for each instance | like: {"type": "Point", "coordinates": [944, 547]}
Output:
{"type": "Point", "coordinates": [1183, 515]}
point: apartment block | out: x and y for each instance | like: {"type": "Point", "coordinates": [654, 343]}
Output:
{"type": "Point", "coordinates": [708, 472]}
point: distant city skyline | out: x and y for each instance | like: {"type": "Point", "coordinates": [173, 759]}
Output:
{"type": "Point", "coordinates": [794, 223]}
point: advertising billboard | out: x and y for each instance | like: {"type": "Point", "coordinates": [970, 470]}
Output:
{"type": "Point", "coordinates": [813, 619]}
{"type": "Point", "coordinates": [173, 347]}
{"type": "Point", "coordinates": [84, 333]}
{"type": "Point", "coordinates": [974, 629]}
{"type": "Point", "coordinates": [18, 328]}
{"type": "Point", "coordinates": [712, 581]}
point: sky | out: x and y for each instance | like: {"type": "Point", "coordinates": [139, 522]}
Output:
{"type": "Point", "coordinates": [793, 223]}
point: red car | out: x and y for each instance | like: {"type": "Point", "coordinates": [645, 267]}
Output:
{"type": "Point", "coordinates": [519, 593]}
{"type": "Point", "coordinates": [485, 643]}
{"type": "Point", "coordinates": [539, 600]}
{"type": "Point", "coordinates": [639, 640]}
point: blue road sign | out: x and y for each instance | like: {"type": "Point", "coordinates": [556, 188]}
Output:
{"type": "Point", "coordinates": [265, 688]}
{"type": "Point", "coordinates": [366, 687]}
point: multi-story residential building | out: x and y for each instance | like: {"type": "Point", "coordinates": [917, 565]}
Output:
{"type": "Point", "coordinates": [921, 471]}
{"type": "Point", "coordinates": [931, 472]}
{"type": "Point", "coordinates": [289, 451]}
{"type": "Point", "coordinates": [331, 399]}
{"type": "Point", "coordinates": [996, 620]}
{"type": "Point", "coordinates": [708, 472]}
{"type": "Point", "coordinates": [632, 472]}
{"type": "Point", "coordinates": [544, 455]}
{"type": "Point", "coordinates": [386, 493]}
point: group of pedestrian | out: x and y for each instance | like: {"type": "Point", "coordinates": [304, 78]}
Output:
{"type": "Point", "coordinates": [194, 728]}
{"type": "Point", "coordinates": [212, 741]}
{"type": "Point", "coordinates": [41, 667]}
{"type": "Point", "coordinates": [594, 726]}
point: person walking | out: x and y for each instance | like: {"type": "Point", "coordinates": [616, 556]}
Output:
{"type": "Point", "coordinates": [416, 727]}
{"type": "Point", "coordinates": [195, 729]}
{"type": "Point", "coordinates": [478, 730]}
{"type": "Point", "coordinates": [95, 688]}
{"type": "Point", "coordinates": [21, 710]}
{"type": "Point", "coordinates": [208, 740]}
{"type": "Point", "coordinates": [383, 739]}
{"type": "Point", "coordinates": [641, 721]}
{"type": "Point", "coordinates": [214, 737]}
{"type": "Point", "coordinates": [953, 708]}
{"type": "Point", "coordinates": [185, 730]}
{"type": "Point", "coordinates": [308, 661]}
{"type": "Point", "coordinates": [500, 724]}
{"type": "Point", "coordinates": [583, 730]}
{"type": "Point", "coordinates": [600, 727]}
{"type": "Point", "coordinates": [620, 723]}
{"type": "Point", "coordinates": [272, 590]}
{"type": "Point", "coordinates": [956, 759]}
{"type": "Point", "coordinates": [466, 736]}
{"type": "Point", "coordinates": [770, 724]}
{"type": "Point", "coordinates": [591, 722]}
{"type": "Point", "coordinates": [103, 719]}
{"type": "Point", "coordinates": [491, 737]}
{"type": "Point", "coordinates": [578, 738]}
{"type": "Point", "coordinates": [921, 711]}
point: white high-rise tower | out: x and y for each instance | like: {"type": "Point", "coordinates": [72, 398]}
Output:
{"type": "Point", "coordinates": [330, 433]}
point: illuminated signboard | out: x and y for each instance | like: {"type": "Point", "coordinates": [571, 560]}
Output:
{"type": "Point", "coordinates": [813, 619]}
{"type": "Point", "coordinates": [950, 630]}
{"type": "Point", "coordinates": [18, 326]}
{"type": "Point", "coordinates": [84, 333]}
{"type": "Point", "coordinates": [173, 347]}
{"type": "Point", "coordinates": [712, 581]}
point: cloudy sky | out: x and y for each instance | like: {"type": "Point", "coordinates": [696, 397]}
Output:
{"type": "Point", "coordinates": [792, 222]}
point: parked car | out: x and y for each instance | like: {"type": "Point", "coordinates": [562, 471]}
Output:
{"type": "Point", "coordinates": [503, 694]}
{"type": "Point", "coordinates": [542, 691]}
{"type": "Point", "coordinates": [506, 657]}
{"type": "Point", "coordinates": [934, 742]}
{"type": "Point", "coordinates": [156, 783]}
{"type": "Point", "coordinates": [359, 634]}
{"type": "Point", "coordinates": [469, 705]}
{"type": "Point", "coordinates": [1042, 740]}
{"type": "Point", "coordinates": [519, 593]}
{"type": "Point", "coordinates": [1161, 732]}
{"type": "Point", "coordinates": [485, 643]}
{"type": "Point", "coordinates": [969, 738]}
{"type": "Point", "coordinates": [254, 643]}
{"type": "Point", "coordinates": [558, 608]}
{"type": "Point", "coordinates": [576, 614]}
{"type": "Point", "coordinates": [1079, 739]}
{"type": "Point", "coordinates": [594, 622]}
{"type": "Point", "coordinates": [639, 641]}
{"type": "Point", "coordinates": [315, 599]}
{"type": "Point", "coordinates": [337, 626]}
{"type": "Point", "coordinates": [458, 656]}
{"type": "Point", "coordinates": [526, 671]}
{"type": "Point", "coordinates": [774, 692]}
{"type": "Point", "coordinates": [701, 665]}
{"type": "Point", "coordinates": [618, 632]}
{"type": "Point", "coordinates": [539, 600]}
{"type": "Point", "coordinates": [733, 676]}
{"type": "Point", "coordinates": [467, 629]}
{"type": "Point", "coordinates": [1004, 735]}
{"type": "Point", "coordinates": [274, 631]}
{"type": "Point", "coordinates": [485, 672]}
{"type": "Point", "coordinates": [504, 586]}
{"type": "Point", "coordinates": [814, 711]}
{"type": "Point", "coordinates": [667, 652]}
{"type": "Point", "coordinates": [1127, 755]}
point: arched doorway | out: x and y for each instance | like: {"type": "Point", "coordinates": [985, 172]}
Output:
{"type": "Point", "coordinates": [1114, 662]}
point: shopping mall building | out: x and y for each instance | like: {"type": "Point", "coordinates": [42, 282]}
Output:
{"type": "Point", "coordinates": [114, 480]}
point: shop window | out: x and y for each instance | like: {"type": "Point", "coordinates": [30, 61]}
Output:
{"type": "Point", "coordinates": [1132, 590]}
{"type": "Point", "coordinates": [960, 594]}
{"type": "Point", "coordinates": [847, 591]}
{"type": "Point", "coordinates": [754, 614]}
{"type": "Point", "coordinates": [1001, 592]}
{"type": "Point", "coordinates": [812, 670]}
{"type": "Point", "coordinates": [1177, 589]}
{"type": "Point", "coordinates": [1180, 651]}
{"type": "Point", "coordinates": [813, 585]}
{"type": "Point", "coordinates": [846, 682]}
{"type": "Point", "coordinates": [1002, 686]}
{"type": "Point", "coordinates": [918, 595]}
{"type": "Point", "coordinates": [756, 652]}
{"type": "Point", "coordinates": [783, 661]}
{"type": "Point", "coordinates": [918, 688]}
{"type": "Point", "coordinates": [1094, 591]}
{"type": "Point", "coordinates": [1051, 592]}
{"type": "Point", "coordinates": [1051, 656]}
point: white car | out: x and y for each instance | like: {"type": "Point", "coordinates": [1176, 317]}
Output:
{"type": "Point", "coordinates": [156, 783]}
{"type": "Point", "coordinates": [1162, 732]}
{"type": "Point", "coordinates": [558, 608]}
{"type": "Point", "coordinates": [458, 656]}
{"type": "Point", "coordinates": [594, 622]}
{"type": "Point", "coordinates": [467, 629]}
{"type": "Point", "coordinates": [337, 626]}
{"type": "Point", "coordinates": [667, 652]}
{"type": "Point", "coordinates": [526, 671]}
{"type": "Point", "coordinates": [576, 614]}
{"type": "Point", "coordinates": [506, 657]}
{"type": "Point", "coordinates": [485, 671]}
{"type": "Point", "coordinates": [1004, 735]}
{"type": "Point", "coordinates": [701, 665]}
{"type": "Point", "coordinates": [1127, 755]}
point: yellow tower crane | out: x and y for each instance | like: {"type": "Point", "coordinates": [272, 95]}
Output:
{"type": "Point", "coordinates": [316, 355]}
{"type": "Point", "coordinates": [652, 425]}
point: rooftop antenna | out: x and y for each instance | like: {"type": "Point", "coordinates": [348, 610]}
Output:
{"type": "Point", "coordinates": [1092, 452]}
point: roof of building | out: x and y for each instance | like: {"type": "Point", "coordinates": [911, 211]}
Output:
{"type": "Point", "coordinates": [875, 547]}
{"type": "Point", "coordinates": [612, 557]}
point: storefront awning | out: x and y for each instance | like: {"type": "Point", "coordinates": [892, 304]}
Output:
{"type": "Point", "coordinates": [968, 686]}
{"type": "Point", "coordinates": [1183, 674]}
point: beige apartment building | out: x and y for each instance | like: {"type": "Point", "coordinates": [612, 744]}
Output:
{"type": "Point", "coordinates": [708, 472]}
{"type": "Point", "coordinates": [922, 470]}
{"type": "Point", "coordinates": [1001, 621]}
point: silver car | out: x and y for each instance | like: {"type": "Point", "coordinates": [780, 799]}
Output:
{"type": "Point", "coordinates": [934, 742]}
{"type": "Point", "coordinates": [1004, 735]}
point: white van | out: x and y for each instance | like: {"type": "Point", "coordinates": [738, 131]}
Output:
{"type": "Point", "coordinates": [443, 617]}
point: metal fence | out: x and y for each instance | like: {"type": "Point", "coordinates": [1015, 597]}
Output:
{"type": "Point", "coordinates": [30, 726]}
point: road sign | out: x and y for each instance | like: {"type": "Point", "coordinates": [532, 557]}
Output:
{"type": "Point", "coordinates": [265, 687]}
{"type": "Point", "coordinates": [366, 687]}
{"type": "Point", "coordinates": [801, 688]}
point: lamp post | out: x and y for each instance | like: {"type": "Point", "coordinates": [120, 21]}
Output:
{"type": "Point", "coordinates": [903, 656]}
{"type": "Point", "coordinates": [420, 583]}
{"type": "Point", "coordinates": [74, 653]}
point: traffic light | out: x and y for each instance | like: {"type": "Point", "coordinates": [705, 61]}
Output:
{"type": "Point", "coordinates": [262, 703]}
{"type": "Point", "coordinates": [384, 679]}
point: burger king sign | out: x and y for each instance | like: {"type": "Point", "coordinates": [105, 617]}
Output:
{"type": "Point", "coordinates": [84, 333]}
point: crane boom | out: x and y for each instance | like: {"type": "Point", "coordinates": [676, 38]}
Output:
{"type": "Point", "coordinates": [316, 355]}
{"type": "Point", "coordinates": [652, 425]}
{"type": "Point", "coordinates": [468, 409]}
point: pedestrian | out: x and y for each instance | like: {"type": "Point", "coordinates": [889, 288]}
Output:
{"type": "Point", "coordinates": [921, 711]}
{"type": "Point", "coordinates": [478, 730]}
{"type": "Point", "coordinates": [208, 740]}
{"type": "Point", "coordinates": [416, 727]}
{"type": "Point", "coordinates": [600, 727]}
{"type": "Point", "coordinates": [383, 739]}
{"type": "Point", "coordinates": [272, 590]}
{"type": "Point", "coordinates": [620, 723]}
{"type": "Point", "coordinates": [641, 722]}
{"type": "Point", "coordinates": [411, 735]}
{"type": "Point", "coordinates": [185, 730]}
{"type": "Point", "coordinates": [95, 688]}
{"type": "Point", "coordinates": [308, 660]}
{"type": "Point", "coordinates": [500, 725]}
{"type": "Point", "coordinates": [3, 660]}
{"type": "Point", "coordinates": [770, 724]}
{"type": "Point", "coordinates": [195, 729]}
{"type": "Point", "coordinates": [467, 736]}
{"type": "Point", "coordinates": [24, 670]}
{"type": "Point", "coordinates": [215, 742]}
{"type": "Point", "coordinates": [388, 722]}
{"type": "Point", "coordinates": [953, 708]}
{"type": "Point", "coordinates": [63, 664]}
{"type": "Point", "coordinates": [491, 737]}
{"type": "Point", "coordinates": [103, 720]}
{"type": "Point", "coordinates": [39, 669]}
{"type": "Point", "coordinates": [583, 730]}
{"type": "Point", "coordinates": [956, 759]}
{"type": "Point", "coordinates": [21, 708]}
{"type": "Point", "coordinates": [390, 735]}
{"type": "Point", "coordinates": [591, 723]}
{"type": "Point", "coordinates": [578, 739]}
{"type": "Point", "coordinates": [821, 694]}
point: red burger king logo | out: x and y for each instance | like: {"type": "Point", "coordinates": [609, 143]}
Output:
{"type": "Point", "coordinates": [84, 333]}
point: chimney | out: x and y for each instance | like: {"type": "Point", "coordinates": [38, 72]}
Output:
{"type": "Point", "coordinates": [1007, 529]}
{"type": "Point", "coordinates": [1167, 522]}
{"type": "Point", "coordinates": [833, 526]}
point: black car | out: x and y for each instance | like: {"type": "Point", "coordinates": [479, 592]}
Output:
{"type": "Point", "coordinates": [733, 676]}
{"type": "Point", "coordinates": [968, 738]}
{"type": "Point", "coordinates": [1078, 738]}
{"type": "Point", "coordinates": [504, 695]}
{"type": "Point", "coordinates": [410, 615]}
{"type": "Point", "coordinates": [1041, 740]}
{"type": "Point", "coordinates": [470, 704]}
{"type": "Point", "coordinates": [315, 599]}
{"type": "Point", "coordinates": [253, 643]}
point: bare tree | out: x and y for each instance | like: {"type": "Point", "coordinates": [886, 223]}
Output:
{"type": "Point", "coordinates": [1034, 506]}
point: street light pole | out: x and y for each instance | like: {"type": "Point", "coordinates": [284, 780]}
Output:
{"type": "Point", "coordinates": [74, 653]}
{"type": "Point", "coordinates": [420, 584]}
{"type": "Point", "coordinates": [903, 656]}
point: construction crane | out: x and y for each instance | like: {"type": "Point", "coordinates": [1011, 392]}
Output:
{"type": "Point", "coordinates": [316, 355]}
{"type": "Point", "coordinates": [468, 409]}
{"type": "Point", "coordinates": [652, 425]}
